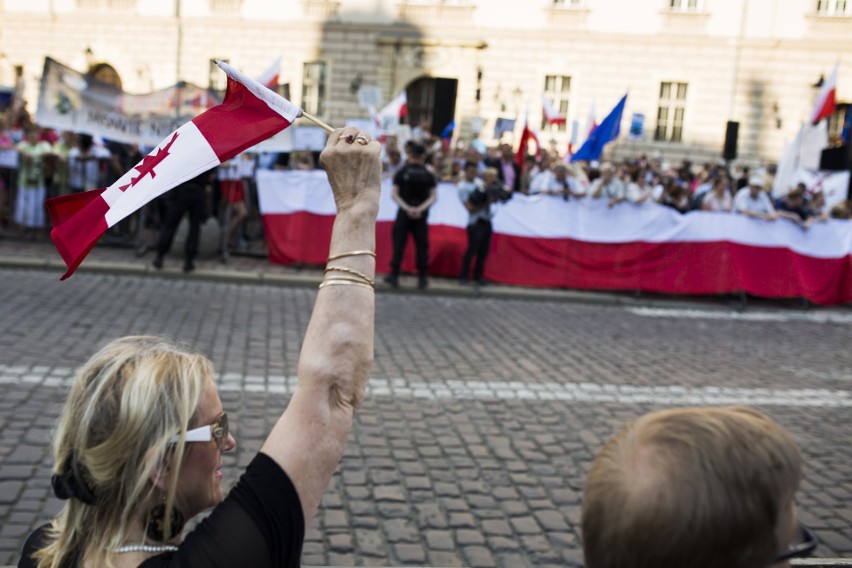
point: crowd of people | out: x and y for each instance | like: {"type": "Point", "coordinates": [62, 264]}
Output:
{"type": "Point", "coordinates": [138, 447]}
{"type": "Point", "coordinates": [485, 176]}
{"type": "Point", "coordinates": [51, 163]}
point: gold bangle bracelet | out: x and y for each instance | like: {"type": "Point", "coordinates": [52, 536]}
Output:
{"type": "Point", "coordinates": [352, 253]}
{"type": "Point", "coordinates": [345, 282]}
{"type": "Point", "coordinates": [352, 271]}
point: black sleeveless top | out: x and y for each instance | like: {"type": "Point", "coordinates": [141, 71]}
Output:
{"type": "Point", "coordinates": [260, 523]}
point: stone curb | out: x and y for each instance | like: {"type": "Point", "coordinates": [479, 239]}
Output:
{"type": "Point", "coordinates": [438, 287]}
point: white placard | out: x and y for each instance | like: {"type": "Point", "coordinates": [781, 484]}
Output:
{"type": "Point", "coordinates": [363, 124]}
{"type": "Point", "coordinates": [309, 138]}
{"type": "Point", "coordinates": [370, 96]}
{"type": "Point", "coordinates": [476, 125]}
{"type": "Point", "coordinates": [9, 159]}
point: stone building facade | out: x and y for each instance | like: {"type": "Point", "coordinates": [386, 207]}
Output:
{"type": "Point", "coordinates": [689, 66]}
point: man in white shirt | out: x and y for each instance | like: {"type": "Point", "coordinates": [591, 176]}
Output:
{"type": "Point", "coordinates": [556, 182]}
{"type": "Point", "coordinates": [754, 202]}
{"type": "Point", "coordinates": [609, 186]}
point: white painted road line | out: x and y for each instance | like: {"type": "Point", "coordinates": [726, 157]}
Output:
{"type": "Point", "coordinates": [757, 316]}
{"type": "Point", "coordinates": [673, 395]}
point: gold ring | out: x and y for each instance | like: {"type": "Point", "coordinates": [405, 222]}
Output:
{"type": "Point", "coordinates": [362, 139]}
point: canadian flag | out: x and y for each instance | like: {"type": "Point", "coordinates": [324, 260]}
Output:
{"type": "Point", "coordinates": [826, 100]}
{"type": "Point", "coordinates": [551, 115]}
{"type": "Point", "coordinates": [269, 78]}
{"type": "Point", "coordinates": [249, 114]}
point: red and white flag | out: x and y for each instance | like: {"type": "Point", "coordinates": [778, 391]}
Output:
{"type": "Point", "coordinates": [395, 110]}
{"type": "Point", "coordinates": [249, 114]}
{"type": "Point", "coordinates": [551, 115]}
{"type": "Point", "coordinates": [269, 78]}
{"type": "Point", "coordinates": [591, 121]}
{"type": "Point", "coordinates": [826, 100]}
{"type": "Point", "coordinates": [527, 136]}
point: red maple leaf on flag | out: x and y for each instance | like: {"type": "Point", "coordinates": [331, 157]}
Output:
{"type": "Point", "coordinates": [149, 162]}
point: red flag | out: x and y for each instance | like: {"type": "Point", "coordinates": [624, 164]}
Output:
{"type": "Point", "coordinates": [526, 136]}
{"type": "Point", "coordinates": [249, 114]}
{"type": "Point", "coordinates": [826, 100]}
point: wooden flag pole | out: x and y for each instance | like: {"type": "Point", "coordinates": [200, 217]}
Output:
{"type": "Point", "coordinates": [317, 121]}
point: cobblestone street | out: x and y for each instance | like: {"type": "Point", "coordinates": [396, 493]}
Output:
{"type": "Point", "coordinates": [482, 414]}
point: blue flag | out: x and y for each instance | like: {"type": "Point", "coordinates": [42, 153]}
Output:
{"type": "Point", "coordinates": [847, 125]}
{"type": "Point", "coordinates": [606, 132]}
{"type": "Point", "coordinates": [448, 129]}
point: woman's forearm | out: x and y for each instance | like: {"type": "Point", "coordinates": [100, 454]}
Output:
{"type": "Point", "coordinates": [337, 353]}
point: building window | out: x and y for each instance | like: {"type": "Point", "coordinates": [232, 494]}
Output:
{"type": "Point", "coordinates": [685, 5]}
{"type": "Point", "coordinates": [313, 87]}
{"type": "Point", "coordinates": [557, 90]}
{"type": "Point", "coordinates": [567, 3]}
{"type": "Point", "coordinates": [833, 7]}
{"type": "Point", "coordinates": [226, 6]}
{"type": "Point", "coordinates": [124, 5]}
{"type": "Point", "coordinates": [670, 112]}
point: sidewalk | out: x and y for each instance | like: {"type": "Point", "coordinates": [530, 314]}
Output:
{"type": "Point", "coordinates": [254, 268]}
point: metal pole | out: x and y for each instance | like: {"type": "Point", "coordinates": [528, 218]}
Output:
{"type": "Point", "coordinates": [178, 53]}
{"type": "Point", "coordinates": [738, 46]}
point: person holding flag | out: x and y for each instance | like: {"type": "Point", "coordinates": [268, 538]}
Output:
{"type": "Point", "coordinates": [139, 445]}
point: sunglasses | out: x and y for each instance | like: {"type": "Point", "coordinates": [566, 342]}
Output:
{"type": "Point", "coordinates": [217, 431]}
{"type": "Point", "coordinates": [803, 545]}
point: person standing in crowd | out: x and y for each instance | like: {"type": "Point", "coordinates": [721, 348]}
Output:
{"type": "Point", "coordinates": [86, 164]}
{"type": "Point", "coordinates": [508, 171]}
{"type": "Point", "coordinates": [752, 201]}
{"type": "Point", "coordinates": [189, 197]}
{"type": "Point", "coordinates": [29, 203]}
{"type": "Point", "coordinates": [6, 144]}
{"type": "Point", "coordinates": [233, 191]}
{"type": "Point", "coordinates": [414, 190]}
{"type": "Point", "coordinates": [609, 186]}
{"type": "Point", "coordinates": [696, 487]}
{"type": "Point", "coordinates": [639, 190]}
{"type": "Point", "coordinates": [792, 206]}
{"type": "Point", "coordinates": [719, 197]}
{"type": "Point", "coordinates": [556, 181]}
{"type": "Point", "coordinates": [475, 197]}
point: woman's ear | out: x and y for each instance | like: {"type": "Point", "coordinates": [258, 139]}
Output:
{"type": "Point", "coordinates": [160, 470]}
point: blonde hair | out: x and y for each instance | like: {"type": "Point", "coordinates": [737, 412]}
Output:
{"type": "Point", "coordinates": [126, 404]}
{"type": "Point", "coordinates": [701, 487]}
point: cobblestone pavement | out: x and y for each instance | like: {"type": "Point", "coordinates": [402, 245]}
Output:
{"type": "Point", "coordinates": [482, 415]}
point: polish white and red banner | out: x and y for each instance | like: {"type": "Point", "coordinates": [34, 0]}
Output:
{"type": "Point", "coordinates": [547, 242]}
{"type": "Point", "coordinates": [249, 114]}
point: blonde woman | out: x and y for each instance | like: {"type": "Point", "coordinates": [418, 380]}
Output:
{"type": "Point", "coordinates": [138, 449]}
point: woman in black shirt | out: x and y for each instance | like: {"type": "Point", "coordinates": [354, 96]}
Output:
{"type": "Point", "coordinates": [139, 444]}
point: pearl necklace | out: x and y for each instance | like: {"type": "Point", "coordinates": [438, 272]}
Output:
{"type": "Point", "coordinates": [145, 548]}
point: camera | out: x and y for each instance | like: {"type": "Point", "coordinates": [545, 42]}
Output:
{"type": "Point", "coordinates": [491, 193]}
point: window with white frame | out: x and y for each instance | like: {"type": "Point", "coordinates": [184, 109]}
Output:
{"type": "Point", "coordinates": [833, 7]}
{"type": "Point", "coordinates": [107, 4]}
{"type": "Point", "coordinates": [313, 87]}
{"type": "Point", "coordinates": [670, 112]}
{"type": "Point", "coordinates": [557, 90]}
{"type": "Point", "coordinates": [226, 6]}
{"type": "Point", "coordinates": [686, 5]}
{"type": "Point", "coordinates": [450, 2]}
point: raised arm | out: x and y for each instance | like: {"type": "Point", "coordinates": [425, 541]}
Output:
{"type": "Point", "coordinates": [309, 439]}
